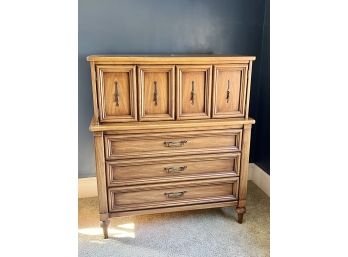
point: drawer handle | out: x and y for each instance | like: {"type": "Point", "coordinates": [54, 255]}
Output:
{"type": "Point", "coordinates": [117, 94]}
{"type": "Point", "coordinates": [155, 97]}
{"type": "Point", "coordinates": [193, 93]}
{"type": "Point", "coordinates": [175, 194]}
{"type": "Point", "coordinates": [175, 169]}
{"type": "Point", "coordinates": [228, 92]}
{"type": "Point", "coordinates": [175, 143]}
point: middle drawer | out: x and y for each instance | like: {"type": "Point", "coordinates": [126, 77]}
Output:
{"type": "Point", "coordinates": [172, 143]}
{"type": "Point", "coordinates": [156, 170]}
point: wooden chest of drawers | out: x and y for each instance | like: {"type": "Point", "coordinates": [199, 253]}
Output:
{"type": "Point", "coordinates": [171, 133]}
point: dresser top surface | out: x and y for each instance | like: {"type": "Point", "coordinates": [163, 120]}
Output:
{"type": "Point", "coordinates": [170, 57]}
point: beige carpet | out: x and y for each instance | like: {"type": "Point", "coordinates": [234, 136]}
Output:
{"type": "Point", "coordinates": [203, 233]}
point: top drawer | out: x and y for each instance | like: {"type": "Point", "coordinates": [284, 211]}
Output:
{"type": "Point", "coordinates": [172, 143]}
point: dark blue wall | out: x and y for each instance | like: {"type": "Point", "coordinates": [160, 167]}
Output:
{"type": "Point", "coordinates": [167, 26]}
{"type": "Point", "coordinates": [261, 144]}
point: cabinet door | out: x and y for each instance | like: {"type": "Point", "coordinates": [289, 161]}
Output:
{"type": "Point", "coordinates": [193, 91]}
{"type": "Point", "coordinates": [156, 92]}
{"type": "Point", "coordinates": [116, 93]}
{"type": "Point", "coordinates": [229, 90]}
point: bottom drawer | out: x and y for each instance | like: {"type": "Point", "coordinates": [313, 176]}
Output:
{"type": "Point", "coordinates": [172, 194]}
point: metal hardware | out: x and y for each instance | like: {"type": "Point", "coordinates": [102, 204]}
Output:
{"type": "Point", "coordinates": [228, 91]}
{"type": "Point", "coordinates": [175, 169]}
{"type": "Point", "coordinates": [175, 194]}
{"type": "Point", "coordinates": [175, 143]}
{"type": "Point", "coordinates": [155, 93]}
{"type": "Point", "coordinates": [117, 95]}
{"type": "Point", "coordinates": [193, 93]}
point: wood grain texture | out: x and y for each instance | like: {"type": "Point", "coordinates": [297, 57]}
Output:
{"type": "Point", "coordinates": [193, 91]}
{"type": "Point", "coordinates": [248, 90]}
{"type": "Point", "coordinates": [169, 59]}
{"type": "Point", "coordinates": [156, 92]}
{"type": "Point", "coordinates": [94, 93]}
{"type": "Point", "coordinates": [243, 183]}
{"type": "Point", "coordinates": [101, 174]}
{"type": "Point", "coordinates": [117, 93]}
{"type": "Point", "coordinates": [172, 169]}
{"type": "Point", "coordinates": [172, 194]}
{"type": "Point", "coordinates": [186, 125]}
{"type": "Point", "coordinates": [229, 90]}
{"type": "Point", "coordinates": [189, 149]}
{"type": "Point", "coordinates": [180, 143]}
{"type": "Point", "coordinates": [219, 204]}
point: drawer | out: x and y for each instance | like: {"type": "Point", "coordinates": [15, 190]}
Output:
{"type": "Point", "coordinates": [229, 90]}
{"type": "Point", "coordinates": [116, 93]}
{"type": "Point", "coordinates": [156, 92]}
{"type": "Point", "coordinates": [156, 170]}
{"type": "Point", "coordinates": [172, 143]}
{"type": "Point", "coordinates": [172, 194]}
{"type": "Point", "coordinates": [193, 91]}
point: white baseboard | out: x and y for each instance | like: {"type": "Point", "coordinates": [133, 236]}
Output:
{"type": "Point", "coordinates": [88, 186]}
{"type": "Point", "coordinates": [260, 178]}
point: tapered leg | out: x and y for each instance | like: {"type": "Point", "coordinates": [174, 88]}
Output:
{"type": "Point", "coordinates": [104, 224]}
{"type": "Point", "coordinates": [240, 213]}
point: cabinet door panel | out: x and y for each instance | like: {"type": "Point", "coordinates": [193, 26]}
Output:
{"type": "Point", "coordinates": [156, 92]}
{"type": "Point", "coordinates": [229, 90]}
{"type": "Point", "coordinates": [193, 91]}
{"type": "Point", "coordinates": [116, 93]}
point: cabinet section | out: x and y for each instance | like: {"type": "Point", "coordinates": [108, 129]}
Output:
{"type": "Point", "coordinates": [193, 91]}
{"type": "Point", "coordinates": [156, 92]}
{"type": "Point", "coordinates": [229, 90]}
{"type": "Point", "coordinates": [116, 86]}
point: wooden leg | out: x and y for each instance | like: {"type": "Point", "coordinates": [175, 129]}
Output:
{"type": "Point", "coordinates": [104, 224]}
{"type": "Point", "coordinates": [240, 212]}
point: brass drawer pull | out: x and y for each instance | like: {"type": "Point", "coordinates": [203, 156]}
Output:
{"type": "Point", "coordinates": [228, 91]}
{"type": "Point", "coordinates": [175, 143]}
{"type": "Point", "coordinates": [175, 194]}
{"type": "Point", "coordinates": [155, 96]}
{"type": "Point", "coordinates": [175, 169]}
{"type": "Point", "coordinates": [117, 94]}
{"type": "Point", "coordinates": [193, 93]}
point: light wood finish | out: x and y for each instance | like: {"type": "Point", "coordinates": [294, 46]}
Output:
{"type": "Point", "coordinates": [136, 127]}
{"type": "Point", "coordinates": [193, 91]}
{"type": "Point", "coordinates": [244, 172]}
{"type": "Point", "coordinates": [172, 194]}
{"type": "Point", "coordinates": [170, 140]}
{"type": "Point", "coordinates": [172, 169]}
{"type": "Point", "coordinates": [175, 208]}
{"type": "Point", "coordinates": [104, 224]}
{"type": "Point", "coordinates": [230, 85]}
{"type": "Point", "coordinates": [101, 180]}
{"type": "Point", "coordinates": [94, 91]}
{"type": "Point", "coordinates": [156, 92]}
{"type": "Point", "coordinates": [169, 59]}
{"type": "Point", "coordinates": [248, 90]}
{"type": "Point", "coordinates": [174, 143]}
{"type": "Point", "coordinates": [117, 93]}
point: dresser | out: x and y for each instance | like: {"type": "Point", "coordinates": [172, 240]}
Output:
{"type": "Point", "coordinates": [171, 133]}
